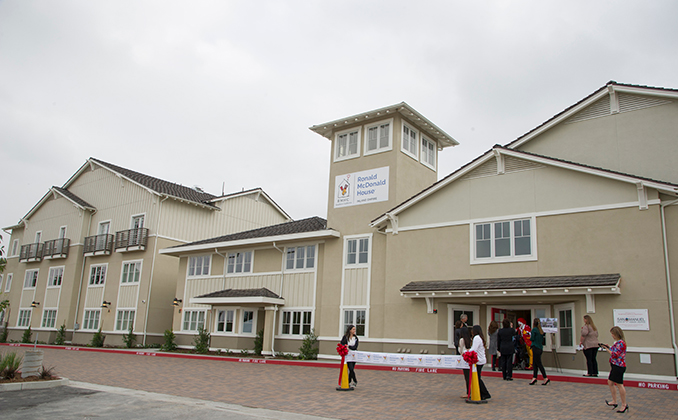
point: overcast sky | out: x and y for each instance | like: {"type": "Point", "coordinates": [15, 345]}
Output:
{"type": "Point", "coordinates": [206, 93]}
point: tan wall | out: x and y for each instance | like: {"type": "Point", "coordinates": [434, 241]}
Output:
{"type": "Point", "coordinates": [268, 260]}
{"type": "Point", "coordinates": [49, 218]}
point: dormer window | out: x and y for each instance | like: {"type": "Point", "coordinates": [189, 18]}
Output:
{"type": "Point", "coordinates": [347, 144]}
{"type": "Point", "coordinates": [428, 153]}
{"type": "Point", "coordinates": [378, 137]}
{"type": "Point", "coordinates": [410, 144]}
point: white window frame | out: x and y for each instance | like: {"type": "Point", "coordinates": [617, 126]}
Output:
{"type": "Point", "coordinates": [36, 272]}
{"type": "Point", "coordinates": [424, 152]}
{"type": "Point", "coordinates": [254, 321]}
{"type": "Point", "coordinates": [22, 320]}
{"type": "Point", "coordinates": [451, 307]}
{"type": "Point", "coordinates": [8, 283]}
{"type": "Point", "coordinates": [358, 252]}
{"type": "Point", "coordinates": [91, 316]}
{"type": "Point", "coordinates": [414, 155]}
{"type": "Point", "coordinates": [141, 216]}
{"type": "Point", "coordinates": [52, 320]}
{"type": "Point", "coordinates": [347, 133]}
{"type": "Point", "coordinates": [287, 317]}
{"type": "Point", "coordinates": [197, 320]}
{"type": "Point", "coordinates": [123, 318]}
{"type": "Point", "coordinates": [294, 250]}
{"type": "Point", "coordinates": [353, 310]}
{"type": "Point", "coordinates": [504, 259]}
{"type": "Point", "coordinates": [103, 272]}
{"type": "Point", "coordinates": [234, 321]}
{"type": "Point", "coordinates": [51, 276]}
{"type": "Point", "coordinates": [232, 269]}
{"type": "Point", "coordinates": [63, 229]}
{"type": "Point", "coordinates": [15, 248]}
{"type": "Point", "coordinates": [38, 237]}
{"type": "Point", "coordinates": [132, 263]}
{"type": "Point", "coordinates": [556, 313]}
{"type": "Point", "coordinates": [202, 265]}
{"type": "Point", "coordinates": [379, 149]}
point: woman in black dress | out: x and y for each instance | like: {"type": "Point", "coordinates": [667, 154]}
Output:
{"type": "Point", "coordinates": [505, 346]}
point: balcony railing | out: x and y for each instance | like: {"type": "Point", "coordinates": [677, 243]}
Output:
{"type": "Point", "coordinates": [131, 240]}
{"type": "Point", "coordinates": [31, 252]}
{"type": "Point", "coordinates": [98, 245]}
{"type": "Point", "coordinates": [56, 248]}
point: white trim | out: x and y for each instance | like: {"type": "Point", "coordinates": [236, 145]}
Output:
{"type": "Point", "coordinates": [49, 274]}
{"type": "Point", "coordinates": [15, 249]}
{"type": "Point", "coordinates": [531, 308]}
{"type": "Point", "coordinates": [389, 340]}
{"type": "Point", "coordinates": [367, 127]}
{"type": "Point", "coordinates": [209, 266]}
{"type": "Point", "coordinates": [235, 254]}
{"type": "Point", "coordinates": [417, 136]}
{"type": "Point", "coordinates": [236, 300]}
{"type": "Point", "coordinates": [451, 307]}
{"type": "Point", "coordinates": [508, 259]}
{"type": "Point", "coordinates": [218, 333]}
{"type": "Point", "coordinates": [122, 269]}
{"type": "Point", "coordinates": [348, 132]}
{"type": "Point", "coordinates": [8, 282]}
{"type": "Point", "coordinates": [421, 153]}
{"type": "Point", "coordinates": [301, 309]}
{"type": "Point", "coordinates": [556, 314]}
{"type": "Point", "coordinates": [37, 275]}
{"type": "Point", "coordinates": [654, 350]}
{"type": "Point", "coordinates": [241, 323]}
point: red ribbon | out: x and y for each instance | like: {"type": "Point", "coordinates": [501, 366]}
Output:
{"type": "Point", "coordinates": [470, 357]}
{"type": "Point", "coordinates": [342, 350]}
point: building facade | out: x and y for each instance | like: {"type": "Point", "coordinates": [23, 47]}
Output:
{"type": "Point", "coordinates": [86, 256]}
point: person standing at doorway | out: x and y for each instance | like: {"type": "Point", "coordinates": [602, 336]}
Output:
{"type": "Point", "coordinates": [525, 333]}
{"type": "Point", "coordinates": [589, 340]}
{"type": "Point", "coordinates": [457, 335]}
{"type": "Point", "coordinates": [351, 340]}
{"type": "Point", "coordinates": [505, 347]}
{"type": "Point", "coordinates": [464, 318]}
{"type": "Point", "coordinates": [537, 339]}
{"type": "Point", "coordinates": [492, 331]}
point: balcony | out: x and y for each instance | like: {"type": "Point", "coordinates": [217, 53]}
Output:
{"type": "Point", "coordinates": [131, 240]}
{"type": "Point", "coordinates": [98, 245]}
{"type": "Point", "coordinates": [31, 252]}
{"type": "Point", "coordinates": [56, 248]}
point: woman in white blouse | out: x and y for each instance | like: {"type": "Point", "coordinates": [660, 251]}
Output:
{"type": "Point", "coordinates": [478, 345]}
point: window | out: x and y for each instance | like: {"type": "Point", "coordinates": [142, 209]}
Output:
{"type": "Point", "coordinates": [428, 153]}
{"type": "Point", "coordinates": [199, 266]}
{"type": "Point", "coordinates": [31, 279]}
{"type": "Point", "coordinates": [410, 145]}
{"type": "Point", "coordinates": [565, 326]}
{"type": "Point", "coordinates": [239, 262]}
{"type": "Point", "coordinates": [296, 322]}
{"type": "Point", "coordinates": [355, 317]}
{"type": "Point", "coordinates": [97, 274]}
{"type": "Point", "coordinates": [91, 319]}
{"type": "Point", "coordinates": [193, 320]}
{"type": "Point", "coordinates": [56, 274]}
{"type": "Point", "coordinates": [62, 232]}
{"type": "Point", "coordinates": [300, 257]}
{"type": "Point", "coordinates": [24, 318]}
{"type": "Point", "coordinates": [49, 318]}
{"type": "Point", "coordinates": [15, 247]}
{"type": "Point", "coordinates": [357, 251]}
{"type": "Point", "coordinates": [8, 284]}
{"type": "Point", "coordinates": [347, 144]}
{"type": "Point", "coordinates": [225, 321]}
{"type": "Point", "coordinates": [38, 237]}
{"type": "Point", "coordinates": [131, 271]}
{"type": "Point", "coordinates": [125, 320]}
{"type": "Point", "coordinates": [247, 322]}
{"type": "Point", "coordinates": [378, 137]}
{"type": "Point", "coordinates": [511, 239]}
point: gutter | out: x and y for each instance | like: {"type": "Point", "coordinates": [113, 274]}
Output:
{"type": "Point", "coordinates": [668, 285]}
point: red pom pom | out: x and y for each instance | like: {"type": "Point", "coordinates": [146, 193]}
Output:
{"type": "Point", "coordinates": [470, 357]}
{"type": "Point", "coordinates": [342, 349]}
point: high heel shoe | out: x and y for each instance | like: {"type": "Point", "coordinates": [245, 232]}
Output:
{"type": "Point", "coordinates": [611, 405]}
{"type": "Point", "coordinates": [624, 410]}
{"type": "Point", "coordinates": [534, 381]}
{"type": "Point", "coordinates": [546, 382]}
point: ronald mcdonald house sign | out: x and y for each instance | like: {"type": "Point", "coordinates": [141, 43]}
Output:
{"type": "Point", "coordinates": [363, 187]}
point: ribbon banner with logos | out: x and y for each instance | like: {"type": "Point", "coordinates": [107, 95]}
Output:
{"type": "Point", "coordinates": [403, 359]}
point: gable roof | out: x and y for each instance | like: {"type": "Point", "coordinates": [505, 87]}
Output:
{"type": "Point", "coordinates": [443, 139]}
{"type": "Point", "coordinates": [313, 227]}
{"type": "Point", "coordinates": [74, 199]}
{"type": "Point", "coordinates": [610, 88]}
{"type": "Point", "coordinates": [254, 191]}
{"type": "Point", "coordinates": [498, 151]}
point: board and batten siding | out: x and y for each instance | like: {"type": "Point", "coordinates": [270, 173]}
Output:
{"type": "Point", "coordinates": [49, 218]}
{"type": "Point", "coordinates": [356, 282]}
{"type": "Point", "coordinates": [52, 297]}
{"type": "Point", "coordinates": [128, 296]}
{"type": "Point", "coordinates": [94, 297]}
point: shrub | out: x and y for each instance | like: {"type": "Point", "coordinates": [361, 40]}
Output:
{"type": "Point", "coordinates": [60, 335]}
{"type": "Point", "coordinates": [202, 341]}
{"type": "Point", "coordinates": [170, 344]}
{"type": "Point", "coordinates": [259, 343]}
{"type": "Point", "coordinates": [47, 373]}
{"type": "Point", "coordinates": [5, 332]}
{"type": "Point", "coordinates": [27, 336]}
{"type": "Point", "coordinates": [9, 365]}
{"type": "Point", "coordinates": [309, 347]}
{"type": "Point", "coordinates": [130, 338]}
{"type": "Point", "coordinates": [244, 352]}
{"type": "Point", "coordinates": [97, 339]}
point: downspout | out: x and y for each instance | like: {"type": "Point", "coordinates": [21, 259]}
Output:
{"type": "Point", "coordinates": [155, 254]}
{"type": "Point", "coordinates": [82, 273]}
{"type": "Point", "coordinates": [282, 275]}
{"type": "Point", "coordinates": [668, 285]}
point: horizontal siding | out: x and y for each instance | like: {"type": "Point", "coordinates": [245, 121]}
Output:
{"type": "Point", "coordinates": [95, 296]}
{"type": "Point", "coordinates": [629, 103]}
{"type": "Point", "coordinates": [200, 286]}
{"type": "Point", "coordinates": [127, 296]}
{"type": "Point", "coordinates": [512, 164]}
{"type": "Point", "coordinates": [298, 289]}
{"type": "Point", "coordinates": [355, 286]}
{"type": "Point", "coordinates": [52, 298]}
{"type": "Point", "coordinates": [488, 168]}
{"type": "Point", "coordinates": [600, 108]}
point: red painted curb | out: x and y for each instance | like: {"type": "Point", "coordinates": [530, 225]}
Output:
{"type": "Point", "coordinates": [516, 374]}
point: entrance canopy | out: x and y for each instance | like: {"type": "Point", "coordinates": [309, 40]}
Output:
{"type": "Point", "coordinates": [588, 285]}
{"type": "Point", "coordinates": [245, 297]}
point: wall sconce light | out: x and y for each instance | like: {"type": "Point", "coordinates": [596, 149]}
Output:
{"type": "Point", "coordinates": [105, 304]}
{"type": "Point", "coordinates": [34, 304]}
{"type": "Point", "coordinates": [176, 302]}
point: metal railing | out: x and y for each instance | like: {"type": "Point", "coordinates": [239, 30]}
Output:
{"type": "Point", "coordinates": [132, 238]}
{"type": "Point", "coordinates": [31, 252]}
{"type": "Point", "coordinates": [56, 248]}
{"type": "Point", "coordinates": [98, 244]}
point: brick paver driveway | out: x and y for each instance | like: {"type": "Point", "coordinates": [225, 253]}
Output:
{"type": "Point", "coordinates": [380, 394]}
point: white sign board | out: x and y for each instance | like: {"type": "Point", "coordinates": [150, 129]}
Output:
{"type": "Point", "coordinates": [632, 319]}
{"type": "Point", "coordinates": [402, 359]}
{"type": "Point", "coordinates": [361, 187]}
{"type": "Point", "coordinates": [549, 325]}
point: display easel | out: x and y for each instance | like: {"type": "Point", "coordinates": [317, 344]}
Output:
{"type": "Point", "coordinates": [556, 360]}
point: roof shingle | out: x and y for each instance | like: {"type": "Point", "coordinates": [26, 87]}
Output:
{"type": "Point", "coordinates": [509, 283]}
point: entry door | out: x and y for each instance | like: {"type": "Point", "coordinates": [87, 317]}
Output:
{"type": "Point", "coordinates": [104, 228]}
{"type": "Point", "coordinates": [498, 315]}
{"type": "Point", "coordinates": [137, 225]}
